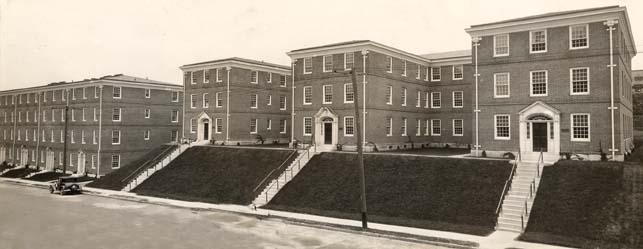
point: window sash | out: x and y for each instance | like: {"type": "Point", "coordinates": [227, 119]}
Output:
{"type": "Point", "coordinates": [458, 72]}
{"type": "Point", "coordinates": [501, 45]}
{"type": "Point", "coordinates": [436, 127]}
{"type": "Point", "coordinates": [502, 125]}
{"type": "Point", "coordinates": [501, 83]}
{"type": "Point", "coordinates": [538, 41]}
{"type": "Point", "coordinates": [579, 80]}
{"type": "Point", "coordinates": [578, 36]}
{"type": "Point", "coordinates": [349, 126]}
{"type": "Point", "coordinates": [538, 82]}
{"type": "Point", "coordinates": [580, 127]}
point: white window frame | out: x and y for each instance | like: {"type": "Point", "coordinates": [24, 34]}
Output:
{"type": "Point", "coordinates": [256, 100]}
{"type": "Point", "coordinates": [269, 78]}
{"type": "Point", "coordinates": [586, 26]}
{"type": "Point", "coordinates": [453, 127]}
{"type": "Point", "coordinates": [403, 97]}
{"type": "Point", "coordinates": [285, 126]}
{"type": "Point", "coordinates": [427, 127]}
{"type": "Point", "coordinates": [147, 113]}
{"type": "Point", "coordinates": [389, 64]}
{"type": "Point", "coordinates": [146, 135]}
{"type": "Point", "coordinates": [324, 69]}
{"type": "Point", "coordinates": [404, 128]}
{"type": "Point", "coordinates": [217, 78]}
{"type": "Point", "coordinates": [495, 127]}
{"type": "Point", "coordinates": [192, 101]}
{"type": "Point", "coordinates": [531, 32]}
{"type": "Point", "coordinates": [116, 159]}
{"type": "Point", "coordinates": [433, 133]}
{"type": "Point", "coordinates": [172, 114]}
{"type": "Point", "coordinates": [346, 101]}
{"type": "Point", "coordinates": [418, 98]}
{"type": "Point", "coordinates": [418, 72]}
{"type": "Point", "coordinates": [439, 74]}
{"type": "Point", "coordinates": [193, 126]}
{"type": "Point", "coordinates": [531, 83]}
{"type": "Point", "coordinates": [84, 94]}
{"type": "Point", "coordinates": [571, 128]}
{"type": "Point", "coordinates": [218, 99]}
{"type": "Point", "coordinates": [117, 137]}
{"type": "Point", "coordinates": [120, 92]}
{"type": "Point", "coordinates": [285, 106]}
{"type": "Point", "coordinates": [269, 102]}
{"type": "Point", "coordinates": [304, 126]}
{"type": "Point", "coordinates": [453, 99]}
{"type": "Point", "coordinates": [346, 68]}
{"type": "Point", "coordinates": [254, 77]}
{"type": "Point", "coordinates": [426, 100]}
{"type": "Point", "coordinates": [346, 126]}
{"type": "Point", "coordinates": [206, 80]}
{"type": "Point", "coordinates": [96, 92]}
{"type": "Point", "coordinates": [404, 68]}
{"type": "Point", "coordinates": [205, 102]}
{"type": "Point", "coordinates": [120, 116]}
{"type": "Point", "coordinates": [177, 97]}
{"type": "Point", "coordinates": [495, 38]}
{"type": "Point", "coordinates": [433, 106]}
{"type": "Point", "coordinates": [495, 85]}
{"type": "Point", "coordinates": [310, 59]}
{"type": "Point", "coordinates": [217, 122]}
{"type": "Point", "coordinates": [304, 95]}
{"type": "Point", "coordinates": [324, 94]}
{"type": "Point", "coordinates": [269, 124]}
{"type": "Point", "coordinates": [418, 127]}
{"type": "Point", "coordinates": [427, 73]}
{"type": "Point", "coordinates": [571, 81]}
{"type": "Point", "coordinates": [82, 137]}
{"type": "Point", "coordinates": [453, 72]}
{"type": "Point", "coordinates": [389, 91]}
{"type": "Point", "coordinates": [148, 93]}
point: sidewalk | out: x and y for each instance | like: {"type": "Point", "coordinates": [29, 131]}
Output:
{"type": "Point", "coordinates": [499, 239]}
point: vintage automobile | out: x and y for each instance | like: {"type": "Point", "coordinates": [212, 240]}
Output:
{"type": "Point", "coordinates": [66, 184]}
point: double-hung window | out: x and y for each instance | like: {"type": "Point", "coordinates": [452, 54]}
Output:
{"type": "Point", "coordinates": [403, 127]}
{"type": "Point", "coordinates": [349, 60]}
{"type": "Point", "coordinates": [193, 101]}
{"type": "Point", "coordinates": [578, 36]}
{"type": "Point", "coordinates": [389, 95]}
{"type": "Point", "coordinates": [389, 64]}
{"type": "Point", "coordinates": [219, 99]}
{"type": "Point", "coordinates": [282, 80]}
{"type": "Point", "coordinates": [116, 114]}
{"type": "Point", "coordinates": [418, 127]}
{"type": "Point", "coordinates": [458, 72]}
{"type": "Point", "coordinates": [116, 92]}
{"type": "Point", "coordinates": [436, 99]}
{"type": "Point", "coordinates": [538, 41]}
{"type": "Point", "coordinates": [458, 129]}
{"type": "Point", "coordinates": [254, 77]}
{"type": "Point", "coordinates": [580, 126]}
{"type": "Point", "coordinates": [349, 126]}
{"type": "Point", "coordinates": [579, 81]}
{"type": "Point", "coordinates": [458, 99]}
{"type": "Point", "coordinates": [282, 126]}
{"type": "Point", "coordinates": [148, 93]}
{"type": "Point", "coordinates": [328, 63]}
{"type": "Point", "coordinates": [175, 96]}
{"type": "Point", "coordinates": [404, 71]}
{"type": "Point", "coordinates": [308, 95]}
{"type": "Point", "coordinates": [436, 127]}
{"type": "Point", "coordinates": [349, 95]}
{"type": "Point", "coordinates": [389, 127]}
{"type": "Point", "coordinates": [502, 127]}
{"type": "Point", "coordinates": [282, 102]}
{"type": "Point", "coordinates": [253, 101]}
{"type": "Point", "coordinates": [501, 45]}
{"type": "Point", "coordinates": [308, 126]}
{"type": "Point", "coordinates": [147, 113]}
{"type": "Point", "coordinates": [174, 116]}
{"type": "Point", "coordinates": [418, 99]}
{"type": "Point", "coordinates": [116, 161]}
{"type": "Point", "coordinates": [217, 76]}
{"type": "Point", "coordinates": [538, 83]}
{"type": "Point", "coordinates": [206, 76]}
{"type": "Point", "coordinates": [193, 125]}
{"type": "Point", "coordinates": [436, 74]}
{"type": "Point", "coordinates": [418, 72]}
{"type": "Point", "coordinates": [206, 101]}
{"type": "Point", "coordinates": [501, 82]}
{"type": "Point", "coordinates": [218, 123]}
{"type": "Point", "coordinates": [253, 126]}
{"type": "Point", "coordinates": [116, 137]}
{"type": "Point", "coordinates": [403, 97]}
{"type": "Point", "coordinates": [308, 65]}
{"type": "Point", "coordinates": [328, 94]}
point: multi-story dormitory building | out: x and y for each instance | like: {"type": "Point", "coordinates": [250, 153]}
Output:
{"type": "Point", "coordinates": [411, 100]}
{"type": "Point", "coordinates": [111, 120]}
{"type": "Point", "coordinates": [237, 101]}
{"type": "Point", "coordinates": [557, 83]}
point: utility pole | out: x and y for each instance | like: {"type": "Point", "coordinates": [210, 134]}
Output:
{"type": "Point", "coordinates": [360, 150]}
{"type": "Point", "coordinates": [66, 128]}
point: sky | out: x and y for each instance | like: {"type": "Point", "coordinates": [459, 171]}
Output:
{"type": "Point", "coordinates": [49, 41]}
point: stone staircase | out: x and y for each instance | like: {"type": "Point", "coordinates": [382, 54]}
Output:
{"type": "Point", "coordinates": [277, 184]}
{"type": "Point", "coordinates": [158, 166]}
{"type": "Point", "coordinates": [518, 201]}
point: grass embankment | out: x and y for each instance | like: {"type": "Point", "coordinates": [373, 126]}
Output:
{"type": "Point", "coordinates": [215, 174]}
{"type": "Point", "coordinates": [448, 194]}
{"type": "Point", "coordinates": [19, 173]}
{"type": "Point", "coordinates": [118, 179]}
{"type": "Point", "coordinates": [588, 205]}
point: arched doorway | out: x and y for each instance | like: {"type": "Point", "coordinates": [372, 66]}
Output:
{"type": "Point", "coordinates": [81, 163]}
{"type": "Point", "coordinates": [204, 127]}
{"type": "Point", "coordinates": [327, 130]}
{"type": "Point", "coordinates": [539, 131]}
{"type": "Point", "coordinates": [326, 127]}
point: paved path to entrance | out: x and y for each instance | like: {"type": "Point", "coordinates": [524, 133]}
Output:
{"type": "Point", "coordinates": [33, 218]}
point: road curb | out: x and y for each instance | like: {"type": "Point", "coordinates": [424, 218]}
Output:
{"type": "Point", "coordinates": [265, 214]}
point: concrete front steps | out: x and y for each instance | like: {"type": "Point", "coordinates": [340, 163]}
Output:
{"type": "Point", "coordinates": [518, 201]}
{"type": "Point", "coordinates": [151, 170]}
{"type": "Point", "coordinates": [277, 184]}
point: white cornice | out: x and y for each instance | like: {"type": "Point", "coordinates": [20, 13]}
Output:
{"type": "Point", "coordinates": [98, 82]}
{"type": "Point", "coordinates": [556, 21]}
{"type": "Point", "coordinates": [357, 47]}
{"type": "Point", "coordinates": [238, 64]}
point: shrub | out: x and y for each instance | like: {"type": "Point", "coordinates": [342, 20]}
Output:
{"type": "Point", "coordinates": [446, 146]}
{"type": "Point", "coordinates": [509, 155]}
{"type": "Point", "coordinates": [260, 139]}
{"type": "Point", "coordinates": [484, 153]}
{"type": "Point", "coordinates": [213, 141]}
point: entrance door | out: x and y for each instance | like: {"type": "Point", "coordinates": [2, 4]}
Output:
{"type": "Point", "coordinates": [540, 137]}
{"type": "Point", "coordinates": [328, 133]}
{"type": "Point", "coordinates": [49, 163]}
{"type": "Point", "coordinates": [81, 163]}
{"type": "Point", "coordinates": [206, 130]}
{"type": "Point", "coordinates": [24, 157]}
{"type": "Point", "coordinates": [2, 154]}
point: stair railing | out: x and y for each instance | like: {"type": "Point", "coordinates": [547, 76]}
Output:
{"type": "Point", "coordinates": [137, 172]}
{"type": "Point", "coordinates": [505, 189]}
{"type": "Point", "coordinates": [292, 175]}
{"type": "Point", "coordinates": [263, 181]}
{"type": "Point", "coordinates": [541, 161]}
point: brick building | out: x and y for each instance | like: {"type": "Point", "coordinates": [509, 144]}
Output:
{"type": "Point", "coordinates": [557, 83]}
{"type": "Point", "coordinates": [111, 120]}
{"type": "Point", "coordinates": [411, 100]}
{"type": "Point", "coordinates": [251, 97]}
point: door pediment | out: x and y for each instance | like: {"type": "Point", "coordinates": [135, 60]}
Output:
{"type": "Point", "coordinates": [325, 112]}
{"type": "Point", "coordinates": [539, 108]}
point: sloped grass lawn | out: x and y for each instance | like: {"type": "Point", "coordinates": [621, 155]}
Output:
{"type": "Point", "coordinates": [215, 174]}
{"type": "Point", "coordinates": [115, 179]}
{"type": "Point", "coordinates": [431, 151]}
{"type": "Point", "coordinates": [47, 176]}
{"type": "Point", "coordinates": [447, 194]}
{"type": "Point", "coordinates": [4, 167]}
{"type": "Point", "coordinates": [587, 205]}
{"type": "Point", "coordinates": [19, 173]}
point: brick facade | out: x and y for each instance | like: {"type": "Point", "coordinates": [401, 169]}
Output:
{"type": "Point", "coordinates": [42, 136]}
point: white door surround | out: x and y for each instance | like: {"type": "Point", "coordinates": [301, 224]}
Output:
{"type": "Point", "coordinates": [81, 163]}
{"type": "Point", "coordinates": [204, 127]}
{"type": "Point", "coordinates": [325, 116]}
{"type": "Point", "coordinates": [24, 156]}
{"type": "Point", "coordinates": [49, 162]}
{"type": "Point", "coordinates": [3, 150]}
{"type": "Point", "coordinates": [539, 113]}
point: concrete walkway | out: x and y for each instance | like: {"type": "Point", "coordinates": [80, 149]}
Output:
{"type": "Point", "coordinates": [499, 239]}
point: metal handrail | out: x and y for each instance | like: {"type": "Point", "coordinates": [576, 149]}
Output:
{"type": "Point", "coordinates": [137, 171]}
{"type": "Point", "coordinates": [541, 160]}
{"type": "Point", "coordinates": [273, 170]}
{"type": "Point", "coordinates": [505, 188]}
{"type": "Point", "coordinates": [286, 175]}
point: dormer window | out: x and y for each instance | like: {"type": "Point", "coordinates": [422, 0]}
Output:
{"type": "Point", "coordinates": [578, 36]}
{"type": "Point", "coordinates": [538, 41]}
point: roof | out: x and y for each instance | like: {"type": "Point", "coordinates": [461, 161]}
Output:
{"type": "Point", "coordinates": [238, 59]}
{"type": "Point", "coordinates": [549, 14]}
{"type": "Point", "coordinates": [332, 45]}
{"type": "Point", "coordinates": [448, 54]}
{"type": "Point", "coordinates": [115, 77]}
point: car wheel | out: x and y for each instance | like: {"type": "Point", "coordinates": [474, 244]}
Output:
{"type": "Point", "coordinates": [62, 191]}
{"type": "Point", "coordinates": [51, 190]}
{"type": "Point", "coordinates": [74, 188]}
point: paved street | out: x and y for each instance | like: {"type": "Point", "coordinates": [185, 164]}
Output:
{"type": "Point", "coordinates": [32, 218]}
